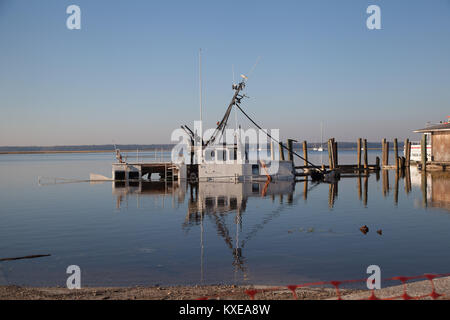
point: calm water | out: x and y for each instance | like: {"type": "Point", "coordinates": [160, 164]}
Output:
{"type": "Point", "coordinates": [148, 234]}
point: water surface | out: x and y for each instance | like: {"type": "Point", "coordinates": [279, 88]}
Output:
{"type": "Point", "coordinates": [173, 234]}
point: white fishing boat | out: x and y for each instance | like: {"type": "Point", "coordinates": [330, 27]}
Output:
{"type": "Point", "coordinates": [217, 157]}
{"type": "Point", "coordinates": [214, 160]}
{"type": "Point", "coordinates": [416, 150]}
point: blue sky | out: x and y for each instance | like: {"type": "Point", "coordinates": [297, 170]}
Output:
{"type": "Point", "coordinates": [130, 75]}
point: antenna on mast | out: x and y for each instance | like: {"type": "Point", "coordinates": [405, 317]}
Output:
{"type": "Point", "coordinates": [232, 70]}
{"type": "Point", "coordinates": [254, 67]}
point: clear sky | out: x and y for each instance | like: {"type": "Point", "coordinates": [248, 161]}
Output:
{"type": "Point", "coordinates": [130, 75]}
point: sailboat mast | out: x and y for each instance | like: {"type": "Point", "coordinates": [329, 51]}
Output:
{"type": "Point", "coordinates": [321, 134]}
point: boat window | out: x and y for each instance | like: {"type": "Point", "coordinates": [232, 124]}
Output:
{"type": "Point", "coordinates": [210, 204]}
{"type": "Point", "coordinates": [221, 202]}
{"type": "Point", "coordinates": [233, 203]}
{"type": "Point", "coordinates": [119, 175]}
{"type": "Point", "coordinates": [255, 188]}
{"type": "Point", "coordinates": [221, 155]}
{"type": "Point", "coordinates": [210, 155]}
{"type": "Point", "coordinates": [233, 154]}
{"type": "Point", "coordinates": [255, 169]}
{"type": "Point", "coordinates": [133, 175]}
{"type": "Point", "coordinates": [119, 184]}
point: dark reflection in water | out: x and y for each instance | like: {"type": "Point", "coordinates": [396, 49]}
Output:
{"type": "Point", "coordinates": [214, 201]}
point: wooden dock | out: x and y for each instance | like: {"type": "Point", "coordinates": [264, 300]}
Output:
{"type": "Point", "coordinates": [136, 171]}
{"type": "Point", "coordinates": [333, 164]}
{"type": "Point", "coordinates": [400, 163]}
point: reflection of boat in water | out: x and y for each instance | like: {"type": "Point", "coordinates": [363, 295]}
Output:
{"type": "Point", "coordinates": [214, 201]}
{"type": "Point", "coordinates": [205, 197]}
{"type": "Point", "coordinates": [226, 197]}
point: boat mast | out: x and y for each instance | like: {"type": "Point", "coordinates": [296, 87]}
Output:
{"type": "Point", "coordinates": [200, 81]}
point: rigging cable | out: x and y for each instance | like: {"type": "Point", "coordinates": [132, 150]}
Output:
{"type": "Point", "coordinates": [293, 152]}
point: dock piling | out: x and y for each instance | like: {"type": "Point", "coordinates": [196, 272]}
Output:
{"type": "Point", "coordinates": [424, 152]}
{"type": "Point", "coordinates": [358, 152]}
{"type": "Point", "coordinates": [407, 153]}
{"type": "Point", "coordinates": [290, 149]}
{"type": "Point", "coordinates": [335, 154]}
{"type": "Point", "coordinates": [387, 153]}
{"type": "Point", "coordinates": [305, 153]}
{"type": "Point", "coordinates": [396, 154]}
{"type": "Point", "coordinates": [366, 162]}
{"type": "Point", "coordinates": [330, 154]}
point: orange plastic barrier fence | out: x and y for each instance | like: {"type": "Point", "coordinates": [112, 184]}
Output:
{"type": "Point", "coordinates": [252, 293]}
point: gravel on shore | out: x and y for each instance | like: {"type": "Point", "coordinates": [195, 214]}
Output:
{"type": "Point", "coordinates": [415, 290]}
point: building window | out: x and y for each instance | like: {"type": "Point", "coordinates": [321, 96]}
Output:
{"type": "Point", "coordinates": [255, 169]}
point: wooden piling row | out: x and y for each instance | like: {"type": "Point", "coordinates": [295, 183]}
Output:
{"type": "Point", "coordinates": [362, 161]}
{"type": "Point", "coordinates": [363, 186]}
{"type": "Point", "coordinates": [400, 162]}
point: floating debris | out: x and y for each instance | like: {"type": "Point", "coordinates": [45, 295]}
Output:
{"type": "Point", "coordinates": [380, 232]}
{"type": "Point", "coordinates": [26, 257]}
{"type": "Point", "coordinates": [364, 229]}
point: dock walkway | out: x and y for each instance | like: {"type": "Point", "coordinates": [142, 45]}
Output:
{"type": "Point", "coordinates": [137, 170]}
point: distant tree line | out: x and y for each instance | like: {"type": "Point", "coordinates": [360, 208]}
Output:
{"type": "Point", "coordinates": [133, 147]}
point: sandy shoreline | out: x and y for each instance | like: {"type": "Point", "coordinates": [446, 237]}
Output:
{"type": "Point", "coordinates": [221, 292]}
{"type": "Point", "coordinates": [415, 290]}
